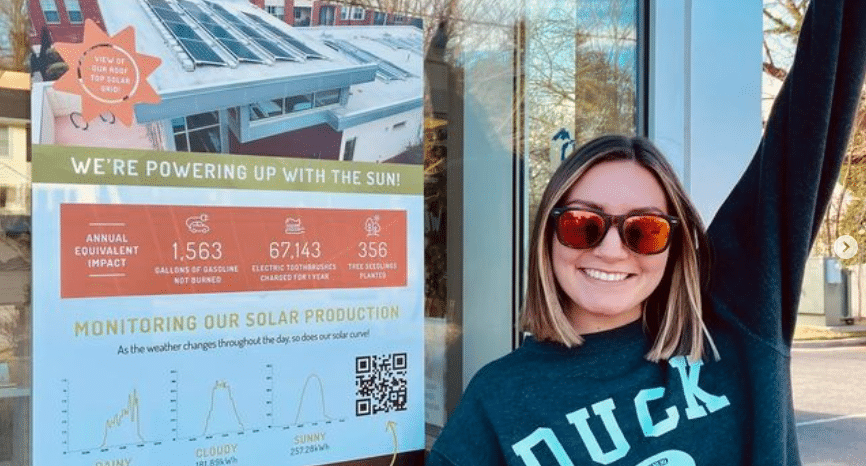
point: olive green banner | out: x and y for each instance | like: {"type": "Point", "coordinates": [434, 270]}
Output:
{"type": "Point", "coordinates": [103, 166]}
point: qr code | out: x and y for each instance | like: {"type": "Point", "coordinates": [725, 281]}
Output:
{"type": "Point", "coordinates": [380, 383]}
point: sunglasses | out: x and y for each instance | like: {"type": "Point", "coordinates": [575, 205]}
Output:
{"type": "Point", "coordinates": [584, 228]}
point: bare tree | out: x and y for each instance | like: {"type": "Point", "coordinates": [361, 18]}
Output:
{"type": "Point", "coordinates": [846, 214]}
{"type": "Point", "coordinates": [15, 23]}
{"type": "Point", "coordinates": [581, 77]}
{"type": "Point", "coordinates": [784, 18]}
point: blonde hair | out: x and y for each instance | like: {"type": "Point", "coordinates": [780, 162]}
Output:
{"type": "Point", "coordinates": [673, 312]}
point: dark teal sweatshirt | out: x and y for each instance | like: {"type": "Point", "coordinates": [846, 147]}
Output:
{"type": "Point", "coordinates": [603, 403]}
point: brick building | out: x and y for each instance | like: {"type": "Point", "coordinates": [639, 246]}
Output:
{"type": "Point", "coordinates": [63, 18]}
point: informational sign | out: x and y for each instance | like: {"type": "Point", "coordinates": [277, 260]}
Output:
{"type": "Point", "coordinates": [228, 242]}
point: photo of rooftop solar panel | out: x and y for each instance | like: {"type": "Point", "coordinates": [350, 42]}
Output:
{"type": "Point", "coordinates": [193, 44]}
{"type": "Point", "coordinates": [400, 43]}
{"type": "Point", "coordinates": [239, 50]}
{"type": "Point", "coordinates": [295, 43]}
{"type": "Point", "coordinates": [267, 88]}
{"type": "Point", "coordinates": [387, 70]}
{"type": "Point", "coordinates": [280, 53]}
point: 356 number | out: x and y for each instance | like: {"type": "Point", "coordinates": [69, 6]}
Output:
{"type": "Point", "coordinates": [372, 249]}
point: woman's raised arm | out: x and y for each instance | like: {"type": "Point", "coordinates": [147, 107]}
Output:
{"type": "Point", "coordinates": [762, 234]}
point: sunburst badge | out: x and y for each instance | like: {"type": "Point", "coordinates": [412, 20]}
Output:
{"type": "Point", "coordinates": [107, 72]}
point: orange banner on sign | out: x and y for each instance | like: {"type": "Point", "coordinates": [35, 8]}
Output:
{"type": "Point", "coordinates": [133, 250]}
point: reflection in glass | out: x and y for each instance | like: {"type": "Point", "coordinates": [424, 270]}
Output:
{"type": "Point", "coordinates": [581, 79]}
{"type": "Point", "coordinates": [202, 119]}
{"type": "Point", "coordinates": [178, 124]}
{"type": "Point", "coordinates": [205, 140]}
{"type": "Point", "coordinates": [518, 74]}
{"type": "Point", "coordinates": [180, 142]}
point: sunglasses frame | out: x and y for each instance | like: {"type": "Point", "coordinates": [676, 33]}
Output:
{"type": "Point", "coordinates": [619, 221]}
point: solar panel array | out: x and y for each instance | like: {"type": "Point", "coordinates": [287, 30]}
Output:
{"type": "Point", "coordinates": [387, 70]}
{"type": "Point", "coordinates": [238, 49]}
{"type": "Point", "coordinates": [189, 39]}
{"type": "Point", "coordinates": [299, 46]}
{"type": "Point", "coordinates": [400, 43]}
{"type": "Point", "coordinates": [276, 50]}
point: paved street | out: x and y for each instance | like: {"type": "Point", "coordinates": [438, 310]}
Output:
{"type": "Point", "coordinates": [830, 401]}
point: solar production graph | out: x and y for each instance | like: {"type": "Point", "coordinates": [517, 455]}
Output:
{"type": "Point", "coordinates": [219, 403]}
{"type": "Point", "coordinates": [126, 417]}
{"type": "Point", "coordinates": [172, 407]}
{"type": "Point", "coordinates": [307, 397]}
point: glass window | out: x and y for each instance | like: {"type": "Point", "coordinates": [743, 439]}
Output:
{"type": "Point", "coordinates": [178, 124]}
{"type": "Point", "coordinates": [205, 140]}
{"type": "Point", "coordinates": [267, 108]}
{"type": "Point", "coordinates": [581, 80]}
{"type": "Point", "coordinates": [299, 102]}
{"type": "Point", "coordinates": [5, 143]}
{"type": "Point", "coordinates": [326, 15]}
{"type": "Point", "coordinates": [532, 70]}
{"type": "Point", "coordinates": [278, 11]}
{"type": "Point", "coordinates": [257, 113]}
{"type": "Point", "coordinates": [327, 97]}
{"type": "Point", "coordinates": [198, 133]}
{"type": "Point", "coordinates": [349, 150]}
{"type": "Point", "coordinates": [15, 283]}
{"type": "Point", "coordinates": [180, 142]}
{"type": "Point", "coordinates": [357, 13]}
{"type": "Point", "coordinates": [49, 9]}
{"type": "Point", "coordinates": [577, 71]}
{"type": "Point", "coordinates": [73, 11]}
{"type": "Point", "coordinates": [202, 119]}
{"type": "Point", "coordinates": [295, 103]}
{"type": "Point", "coordinates": [302, 16]}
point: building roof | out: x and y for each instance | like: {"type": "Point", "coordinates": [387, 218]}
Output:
{"type": "Point", "coordinates": [191, 78]}
{"type": "Point", "coordinates": [14, 97]}
{"type": "Point", "coordinates": [398, 46]}
{"type": "Point", "coordinates": [14, 80]}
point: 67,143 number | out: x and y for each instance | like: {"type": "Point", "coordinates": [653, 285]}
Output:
{"type": "Point", "coordinates": [295, 250]}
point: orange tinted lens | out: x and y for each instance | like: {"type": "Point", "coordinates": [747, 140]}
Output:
{"type": "Point", "coordinates": [646, 234]}
{"type": "Point", "coordinates": [580, 229]}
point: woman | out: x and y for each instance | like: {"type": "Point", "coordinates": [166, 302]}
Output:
{"type": "Point", "coordinates": [642, 351]}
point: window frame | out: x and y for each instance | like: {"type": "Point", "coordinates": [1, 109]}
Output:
{"type": "Point", "coordinates": [276, 11]}
{"type": "Point", "coordinates": [45, 12]}
{"type": "Point", "coordinates": [188, 129]}
{"type": "Point", "coordinates": [76, 10]}
{"type": "Point", "coordinates": [5, 142]}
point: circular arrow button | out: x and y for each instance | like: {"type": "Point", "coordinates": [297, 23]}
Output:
{"type": "Point", "coordinates": [845, 247]}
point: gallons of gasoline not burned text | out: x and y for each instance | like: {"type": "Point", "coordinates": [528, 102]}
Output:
{"type": "Point", "coordinates": [133, 250]}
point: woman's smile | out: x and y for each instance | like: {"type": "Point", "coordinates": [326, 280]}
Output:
{"type": "Point", "coordinates": [606, 276]}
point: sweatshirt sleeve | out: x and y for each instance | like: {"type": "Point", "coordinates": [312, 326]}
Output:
{"type": "Point", "coordinates": [469, 438]}
{"type": "Point", "coordinates": [763, 232]}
